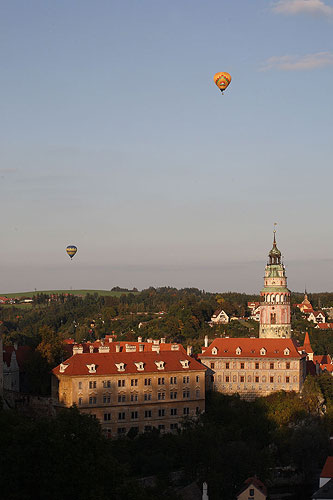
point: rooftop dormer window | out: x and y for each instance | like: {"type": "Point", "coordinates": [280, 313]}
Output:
{"type": "Point", "coordinates": [184, 363]}
{"type": "Point", "coordinates": [263, 351]}
{"type": "Point", "coordinates": [91, 368]}
{"type": "Point", "coordinates": [286, 352]}
{"type": "Point", "coordinates": [214, 350]}
{"type": "Point", "coordinates": [120, 367]}
{"type": "Point", "coordinates": [140, 366]}
{"type": "Point", "coordinates": [62, 367]}
{"type": "Point", "coordinates": [238, 351]}
{"type": "Point", "coordinates": [159, 365]}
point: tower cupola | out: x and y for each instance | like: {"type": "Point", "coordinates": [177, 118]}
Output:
{"type": "Point", "coordinates": [275, 254]}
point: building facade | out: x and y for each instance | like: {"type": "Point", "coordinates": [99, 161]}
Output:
{"type": "Point", "coordinates": [253, 367]}
{"type": "Point", "coordinates": [275, 299]}
{"type": "Point", "coordinates": [132, 390]}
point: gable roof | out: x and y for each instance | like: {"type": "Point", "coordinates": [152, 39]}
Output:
{"type": "Point", "coordinates": [253, 481]}
{"type": "Point", "coordinates": [251, 347]}
{"type": "Point", "coordinates": [218, 311]}
{"type": "Point", "coordinates": [106, 363]}
{"type": "Point", "coordinates": [22, 354]}
{"type": "Point", "coordinates": [322, 359]}
{"type": "Point", "coordinates": [328, 468]}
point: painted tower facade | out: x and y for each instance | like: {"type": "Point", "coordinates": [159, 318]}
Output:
{"type": "Point", "coordinates": [275, 299]}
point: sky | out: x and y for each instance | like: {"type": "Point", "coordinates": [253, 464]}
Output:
{"type": "Point", "coordinates": [114, 138]}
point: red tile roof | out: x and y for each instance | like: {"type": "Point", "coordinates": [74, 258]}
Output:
{"type": "Point", "coordinates": [328, 468]}
{"type": "Point", "coordinates": [325, 326]}
{"type": "Point", "coordinates": [106, 363]}
{"type": "Point", "coordinates": [307, 345]}
{"type": "Point", "coordinates": [327, 367]}
{"type": "Point", "coordinates": [316, 313]}
{"type": "Point", "coordinates": [322, 358]}
{"type": "Point", "coordinates": [147, 346]}
{"type": "Point", "coordinates": [226, 348]}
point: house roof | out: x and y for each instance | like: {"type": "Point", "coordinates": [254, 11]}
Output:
{"type": "Point", "coordinates": [218, 311]}
{"type": "Point", "coordinates": [317, 313]}
{"type": "Point", "coordinates": [251, 347]}
{"type": "Point", "coordinates": [327, 367]}
{"type": "Point", "coordinates": [325, 326]}
{"type": "Point", "coordinates": [253, 481]}
{"type": "Point", "coordinates": [22, 354]}
{"type": "Point", "coordinates": [307, 345]}
{"type": "Point", "coordinates": [147, 346]}
{"type": "Point", "coordinates": [328, 468]}
{"type": "Point", "coordinates": [106, 363]}
{"type": "Point", "coordinates": [322, 359]}
{"type": "Point", "coordinates": [325, 492]}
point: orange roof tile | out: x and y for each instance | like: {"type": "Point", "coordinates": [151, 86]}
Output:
{"type": "Point", "coordinates": [226, 348]}
{"type": "Point", "coordinates": [307, 345]}
{"type": "Point", "coordinates": [322, 359]}
{"type": "Point", "coordinates": [106, 363]}
{"type": "Point", "coordinates": [325, 326]}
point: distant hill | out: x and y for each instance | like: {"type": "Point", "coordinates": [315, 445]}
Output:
{"type": "Point", "coordinates": [72, 292]}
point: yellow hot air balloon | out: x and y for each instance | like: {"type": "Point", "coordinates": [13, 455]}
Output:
{"type": "Point", "coordinates": [71, 250]}
{"type": "Point", "coordinates": [222, 80]}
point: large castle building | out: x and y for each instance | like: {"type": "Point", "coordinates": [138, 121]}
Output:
{"type": "Point", "coordinates": [275, 299]}
{"type": "Point", "coordinates": [136, 385]}
{"type": "Point", "coordinates": [255, 367]}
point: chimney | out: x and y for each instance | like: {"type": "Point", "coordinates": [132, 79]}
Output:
{"type": "Point", "coordinates": [77, 349]}
{"type": "Point", "coordinates": [139, 339]}
{"type": "Point", "coordinates": [163, 340]}
{"type": "Point", "coordinates": [204, 492]}
{"type": "Point", "coordinates": [104, 348]}
{"type": "Point", "coordinates": [206, 341]}
{"type": "Point", "coordinates": [189, 350]}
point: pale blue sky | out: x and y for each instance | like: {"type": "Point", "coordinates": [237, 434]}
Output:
{"type": "Point", "coordinates": [114, 138]}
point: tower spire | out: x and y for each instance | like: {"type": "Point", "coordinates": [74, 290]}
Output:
{"type": "Point", "coordinates": [275, 297]}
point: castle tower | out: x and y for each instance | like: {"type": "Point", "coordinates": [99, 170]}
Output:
{"type": "Point", "coordinates": [275, 299]}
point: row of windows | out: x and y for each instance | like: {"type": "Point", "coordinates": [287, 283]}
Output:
{"type": "Point", "coordinates": [135, 382]}
{"type": "Point", "coordinates": [121, 431]}
{"type": "Point", "coordinates": [134, 397]}
{"type": "Point", "coordinates": [242, 378]}
{"type": "Point", "coordinates": [250, 365]}
{"type": "Point", "coordinates": [162, 412]}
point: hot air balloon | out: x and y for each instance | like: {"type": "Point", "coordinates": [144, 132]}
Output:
{"type": "Point", "coordinates": [71, 250]}
{"type": "Point", "coordinates": [222, 80]}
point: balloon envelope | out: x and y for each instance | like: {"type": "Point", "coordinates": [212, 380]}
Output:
{"type": "Point", "coordinates": [222, 80]}
{"type": "Point", "coordinates": [71, 250]}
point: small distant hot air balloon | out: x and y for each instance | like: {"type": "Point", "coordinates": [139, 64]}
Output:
{"type": "Point", "coordinates": [222, 80]}
{"type": "Point", "coordinates": [71, 250]}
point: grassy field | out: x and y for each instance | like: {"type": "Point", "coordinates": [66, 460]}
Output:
{"type": "Point", "coordinates": [72, 292]}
